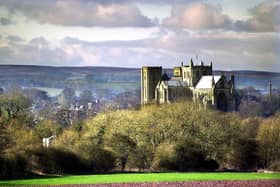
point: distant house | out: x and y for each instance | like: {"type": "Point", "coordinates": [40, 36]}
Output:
{"type": "Point", "coordinates": [188, 81]}
{"type": "Point", "coordinates": [47, 141]}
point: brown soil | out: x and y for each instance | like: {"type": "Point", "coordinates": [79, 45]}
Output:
{"type": "Point", "coordinates": [255, 183]}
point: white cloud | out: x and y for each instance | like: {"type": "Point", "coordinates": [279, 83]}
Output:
{"type": "Point", "coordinates": [14, 39]}
{"type": "Point", "coordinates": [40, 42]}
{"type": "Point", "coordinates": [5, 21]}
{"type": "Point", "coordinates": [80, 13]}
{"type": "Point", "coordinates": [35, 52]}
{"type": "Point", "coordinates": [198, 16]}
{"type": "Point", "coordinates": [227, 50]}
{"type": "Point", "coordinates": [264, 18]}
{"type": "Point", "coordinates": [210, 33]}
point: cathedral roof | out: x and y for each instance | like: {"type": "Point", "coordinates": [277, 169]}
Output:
{"type": "Point", "coordinates": [206, 81]}
{"type": "Point", "coordinates": [176, 82]}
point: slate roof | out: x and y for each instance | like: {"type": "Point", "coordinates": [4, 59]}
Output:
{"type": "Point", "coordinates": [176, 82]}
{"type": "Point", "coordinates": [206, 81]}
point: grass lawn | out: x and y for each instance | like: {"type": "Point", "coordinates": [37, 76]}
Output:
{"type": "Point", "coordinates": [139, 177]}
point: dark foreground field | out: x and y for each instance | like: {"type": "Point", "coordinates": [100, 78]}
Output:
{"type": "Point", "coordinates": [250, 183]}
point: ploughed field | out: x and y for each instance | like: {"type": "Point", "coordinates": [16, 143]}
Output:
{"type": "Point", "coordinates": [154, 179]}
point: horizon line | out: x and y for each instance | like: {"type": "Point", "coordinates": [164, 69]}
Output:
{"type": "Point", "coordinates": [123, 67]}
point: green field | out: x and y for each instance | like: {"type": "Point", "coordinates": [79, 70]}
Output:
{"type": "Point", "coordinates": [139, 177]}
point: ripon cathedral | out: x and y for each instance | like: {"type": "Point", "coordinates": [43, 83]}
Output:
{"type": "Point", "coordinates": [188, 81]}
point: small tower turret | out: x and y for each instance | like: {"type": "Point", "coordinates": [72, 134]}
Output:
{"type": "Point", "coordinates": [191, 63]}
{"type": "Point", "coordinates": [232, 80]}
{"type": "Point", "coordinates": [270, 90]}
{"type": "Point", "coordinates": [213, 81]}
{"type": "Point", "coordinates": [213, 88]}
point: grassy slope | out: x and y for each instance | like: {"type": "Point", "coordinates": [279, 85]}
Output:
{"type": "Point", "coordinates": [148, 177]}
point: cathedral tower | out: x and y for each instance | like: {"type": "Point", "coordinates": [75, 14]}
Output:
{"type": "Point", "coordinates": [192, 73]}
{"type": "Point", "coordinates": [150, 76]}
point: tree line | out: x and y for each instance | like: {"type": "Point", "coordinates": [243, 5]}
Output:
{"type": "Point", "coordinates": [173, 137]}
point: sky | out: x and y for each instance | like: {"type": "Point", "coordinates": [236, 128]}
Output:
{"type": "Point", "coordinates": [233, 34]}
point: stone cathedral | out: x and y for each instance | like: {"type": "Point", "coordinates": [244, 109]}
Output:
{"type": "Point", "coordinates": [188, 81]}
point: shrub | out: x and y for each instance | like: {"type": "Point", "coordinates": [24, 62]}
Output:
{"type": "Point", "coordinates": [245, 156]}
{"type": "Point", "coordinates": [185, 156]}
{"type": "Point", "coordinates": [142, 159]}
{"type": "Point", "coordinates": [123, 147]}
{"type": "Point", "coordinates": [189, 156]}
{"type": "Point", "coordinates": [13, 167]}
{"type": "Point", "coordinates": [99, 159]}
{"type": "Point", "coordinates": [211, 165]}
{"type": "Point", "coordinates": [164, 158]}
{"type": "Point", "coordinates": [54, 161]}
{"type": "Point", "coordinates": [275, 166]}
{"type": "Point", "coordinates": [268, 138]}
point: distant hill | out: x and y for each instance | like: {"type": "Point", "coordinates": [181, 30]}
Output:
{"type": "Point", "coordinates": [107, 81]}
